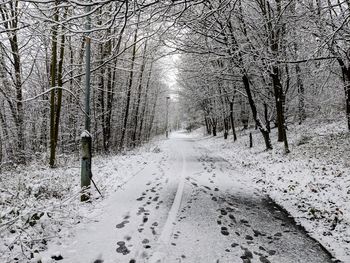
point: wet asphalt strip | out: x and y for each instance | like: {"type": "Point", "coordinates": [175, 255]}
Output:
{"type": "Point", "coordinates": [258, 230]}
{"type": "Point", "coordinates": [266, 231]}
{"type": "Point", "coordinates": [256, 225]}
{"type": "Point", "coordinates": [286, 217]}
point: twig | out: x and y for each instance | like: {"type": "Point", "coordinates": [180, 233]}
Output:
{"type": "Point", "coordinates": [95, 185]}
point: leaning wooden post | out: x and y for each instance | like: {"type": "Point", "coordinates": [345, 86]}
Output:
{"type": "Point", "coordinates": [250, 140]}
{"type": "Point", "coordinates": [86, 142]}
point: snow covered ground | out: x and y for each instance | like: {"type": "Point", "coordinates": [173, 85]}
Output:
{"type": "Point", "coordinates": [40, 206]}
{"type": "Point", "coordinates": [312, 182]}
{"type": "Point", "coordinates": [187, 205]}
{"type": "Point", "coordinates": [192, 198]}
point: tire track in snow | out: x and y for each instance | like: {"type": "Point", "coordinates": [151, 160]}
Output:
{"type": "Point", "coordinates": [164, 239]}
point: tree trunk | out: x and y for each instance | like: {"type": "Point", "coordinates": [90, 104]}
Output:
{"type": "Point", "coordinates": [53, 75]}
{"type": "Point", "coordinates": [12, 14]}
{"type": "Point", "coordinates": [109, 108]}
{"type": "Point", "coordinates": [346, 80]}
{"type": "Point", "coordinates": [6, 83]}
{"type": "Point", "coordinates": [207, 125]}
{"type": "Point", "coordinates": [153, 111]}
{"type": "Point", "coordinates": [267, 119]}
{"type": "Point", "coordinates": [263, 130]}
{"type": "Point", "coordinates": [301, 95]}
{"type": "Point", "coordinates": [128, 96]}
{"type": "Point", "coordinates": [19, 97]}
{"type": "Point", "coordinates": [59, 91]}
{"type": "Point", "coordinates": [280, 101]}
{"type": "Point", "coordinates": [347, 96]}
{"type": "Point", "coordinates": [214, 127]}
{"type": "Point", "coordinates": [101, 94]}
{"type": "Point", "coordinates": [138, 102]}
{"type": "Point", "coordinates": [232, 122]}
{"type": "Point", "coordinates": [225, 128]}
{"type": "Point", "coordinates": [278, 92]}
{"type": "Point", "coordinates": [143, 111]}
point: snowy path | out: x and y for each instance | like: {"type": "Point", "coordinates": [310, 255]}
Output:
{"type": "Point", "coordinates": [190, 206]}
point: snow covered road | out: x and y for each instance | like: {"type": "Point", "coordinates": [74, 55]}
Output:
{"type": "Point", "coordinates": [190, 205]}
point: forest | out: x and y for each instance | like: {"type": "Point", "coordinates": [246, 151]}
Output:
{"type": "Point", "coordinates": [257, 62]}
{"type": "Point", "coordinates": [250, 73]}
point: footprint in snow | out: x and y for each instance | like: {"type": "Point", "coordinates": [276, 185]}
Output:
{"type": "Point", "coordinates": [258, 233]}
{"type": "Point", "coordinates": [229, 209]}
{"type": "Point", "coordinates": [248, 237]}
{"type": "Point", "coordinates": [232, 217]}
{"type": "Point", "coordinates": [224, 231]}
{"type": "Point", "coordinates": [247, 254]}
{"type": "Point", "coordinates": [244, 222]}
{"type": "Point", "coordinates": [122, 224]}
{"type": "Point", "coordinates": [258, 254]}
{"type": "Point", "coordinates": [245, 259]}
{"type": "Point", "coordinates": [262, 248]}
{"type": "Point", "coordinates": [122, 248]}
{"type": "Point", "coordinates": [264, 259]}
{"type": "Point", "coordinates": [141, 210]}
{"type": "Point", "coordinates": [153, 231]}
{"type": "Point", "coordinates": [223, 212]}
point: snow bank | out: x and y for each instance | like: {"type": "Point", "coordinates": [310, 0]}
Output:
{"type": "Point", "coordinates": [40, 206]}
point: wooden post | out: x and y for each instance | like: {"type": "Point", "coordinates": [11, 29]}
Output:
{"type": "Point", "coordinates": [86, 175]}
{"type": "Point", "coordinates": [250, 140]}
